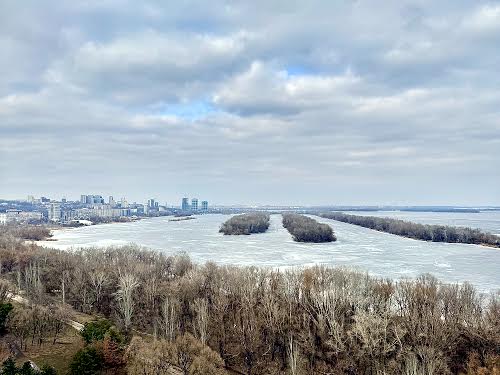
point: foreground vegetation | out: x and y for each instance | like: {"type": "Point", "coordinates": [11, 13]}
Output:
{"type": "Point", "coordinates": [305, 229]}
{"type": "Point", "coordinates": [165, 315]}
{"type": "Point", "coordinates": [425, 232]}
{"type": "Point", "coordinates": [254, 222]}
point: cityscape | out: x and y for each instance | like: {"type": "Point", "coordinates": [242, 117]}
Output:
{"type": "Point", "coordinates": [91, 209]}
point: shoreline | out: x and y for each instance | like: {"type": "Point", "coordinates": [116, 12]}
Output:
{"type": "Point", "coordinates": [63, 228]}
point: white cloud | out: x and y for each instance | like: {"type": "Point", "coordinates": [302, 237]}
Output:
{"type": "Point", "coordinates": [485, 19]}
{"type": "Point", "coordinates": [264, 89]}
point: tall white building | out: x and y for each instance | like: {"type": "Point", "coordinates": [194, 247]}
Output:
{"type": "Point", "coordinates": [55, 212]}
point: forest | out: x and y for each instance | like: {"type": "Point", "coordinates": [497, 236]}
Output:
{"type": "Point", "coordinates": [304, 229]}
{"type": "Point", "coordinates": [254, 222]}
{"type": "Point", "coordinates": [149, 313]}
{"type": "Point", "coordinates": [425, 232]}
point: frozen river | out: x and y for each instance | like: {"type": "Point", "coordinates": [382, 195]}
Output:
{"type": "Point", "coordinates": [380, 254]}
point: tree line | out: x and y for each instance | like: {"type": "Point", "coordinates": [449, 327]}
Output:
{"type": "Point", "coordinates": [254, 222]}
{"type": "Point", "coordinates": [26, 232]}
{"type": "Point", "coordinates": [425, 232]}
{"type": "Point", "coordinates": [165, 312]}
{"type": "Point", "coordinates": [304, 229]}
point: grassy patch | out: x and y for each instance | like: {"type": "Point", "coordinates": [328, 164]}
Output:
{"type": "Point", "coordinates": [57, 355]}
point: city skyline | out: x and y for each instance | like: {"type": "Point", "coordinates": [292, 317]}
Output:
{"type": "Point", "coordinates": [101, 200]}
{"type": "Point", "coordinates": [91, 208]}
{"type": "Point", "coordinates": [353, 103]}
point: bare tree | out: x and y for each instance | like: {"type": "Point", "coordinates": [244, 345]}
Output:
{"type": "Point", "coordinates": [151, 289]}
{"type": "Point", "coordinates": [64, 280]}
{"type": "Point", "coordinates": [81, 289]}
{"type": "Point", "coordinates": [293, 356]}
{"type": "Point", "coordinates": [200, 306]}
{"type": "Point", "coordinates": [19, 278]}
{"type": "Point", "coordinates": [98, 280]}
{"type": "Point", "coordinates": [169, 318]}
{"type": "Point", "coordinates": [20, 325]}
{"type": "Point", "coordinates": [32, 281]}
{"type": "Point", "coordinates": [127, 284]}
{"type": "Point", "coordinates": [57, 318]}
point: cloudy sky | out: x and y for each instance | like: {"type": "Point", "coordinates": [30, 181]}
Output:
{"type": "Point", "coordinates": [284, 102]}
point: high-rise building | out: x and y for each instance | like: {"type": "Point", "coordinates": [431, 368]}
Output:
{"type": "Point", "coordinates": [151, 203]}
{"type": "Point", "coordinates": [55, 212]}
{"type": "Point", "coordinates": [111, 201]}
{"type": "Point", "coordinates": [204, 205]}
{"type": "Point", "coordinates": [194, 204]}
{"type": "Point", "coordinates": [31, 199]}
{"type": "Point", "coordinates": [185, 204]}
{"type": "Point", "coordinates": [83, 199]}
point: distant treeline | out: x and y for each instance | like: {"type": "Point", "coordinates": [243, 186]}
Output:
{"type": "Point", "coordinates": [305, 229]}
{"type": "Point", "coordinates": [425, 232]}
{"type": "Point", "coordinates": [255, 222]}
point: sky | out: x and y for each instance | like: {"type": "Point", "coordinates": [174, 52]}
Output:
{"type": "Point", "coordinates": [252, 102]}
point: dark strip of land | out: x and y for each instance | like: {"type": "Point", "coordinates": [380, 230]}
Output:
{"type": "Point", "coordinates": [305, 229]}
{"type": "Point", "coordinates": [424, 232]}
{"type": "Point", "coordinates": [255, 222]}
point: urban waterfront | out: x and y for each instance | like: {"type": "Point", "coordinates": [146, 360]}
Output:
{"type": "Point", "coordinates": [380, 254]}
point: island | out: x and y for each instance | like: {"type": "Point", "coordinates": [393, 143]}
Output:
{"type": "Point", "coordinates": [423, 232]}
{"type": "Point", "coordinates": [249, 223]}
{"type": "Point", "coordinates": [304, 229]}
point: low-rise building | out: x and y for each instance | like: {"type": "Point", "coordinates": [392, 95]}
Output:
{"type": "Point", "coordinates": [18, 216]}
{"type": "Point", "coordinates": [104, 211]}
